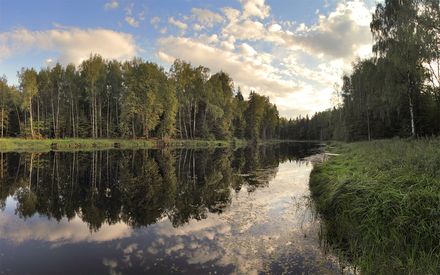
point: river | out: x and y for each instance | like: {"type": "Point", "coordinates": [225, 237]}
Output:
{"type": "Point", "coordinates": [194, 211]}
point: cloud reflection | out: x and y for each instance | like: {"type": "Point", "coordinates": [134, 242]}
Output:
{"type": "Point", "coordinates": [260, 227]}
{"type": "Point", "coordinates": [17, 230]}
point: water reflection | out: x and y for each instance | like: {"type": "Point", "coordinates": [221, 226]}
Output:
{"type": "Point", "coordinates": [161, 211]}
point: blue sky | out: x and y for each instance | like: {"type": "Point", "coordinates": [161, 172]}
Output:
{"type": "Point", "coordinates": [294, 51]}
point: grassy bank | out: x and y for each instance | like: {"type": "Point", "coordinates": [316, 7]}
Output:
{"type": "Point", "coordinates": [380, 202]}
{"type": "Point", "coordinates": [44, 145]}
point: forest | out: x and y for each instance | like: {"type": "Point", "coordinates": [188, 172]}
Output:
{"type": "Point", "coordinates": [133, 99]}
{"type": "Point", "coordinates": [395, 93]}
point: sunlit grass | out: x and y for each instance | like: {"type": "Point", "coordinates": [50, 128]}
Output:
{"type": "Point", "coordinates": [381, 205]}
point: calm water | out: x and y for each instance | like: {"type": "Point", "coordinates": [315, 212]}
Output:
{"type": "Point", "coordinates": [159, 211]}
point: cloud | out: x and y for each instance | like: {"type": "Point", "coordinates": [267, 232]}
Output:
{"type": "Point", "coordinates": [246, 30]}
{"type": "Point", "coordinates": [231, 14]}
{"type": "Point", "coordinates": [247, 50]}
{"type": "Point", "coordinates": [275, 28]}
{"type": "Point", "coordinates": [111, 5]}
{"type": "Point", "coordinates": [179, 24]}
{"type": "Point", "coordinates": [228, 44]}
{"type": "Point", "coordinates": [58, 232]}
{"type": "Point", "coordinates": [129, 18]}
{"type": "Point", "coordinates": [72, 44]}
{"type": "Point", "coordinates": [255, 8]}
{"type": "Point", "coordinates": [132, 21]}
{"type": "Point", "coordinates": [207, 18]}
{"type": "Point", "coordinates": [340, 34]}
{"type": "Point", "coordinates": [248, 72]}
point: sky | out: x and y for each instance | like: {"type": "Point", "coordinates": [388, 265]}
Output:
{"type": "Point", "coordinates": [294, 51]}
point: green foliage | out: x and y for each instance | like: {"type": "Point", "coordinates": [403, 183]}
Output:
{"type": "Point", "coordinates": [109, 99]}
{"type": "Point", "coordinates": [261, 118]}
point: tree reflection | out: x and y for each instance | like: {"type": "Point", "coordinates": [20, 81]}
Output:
{"type": "Point", "coordinates": [137, 187]}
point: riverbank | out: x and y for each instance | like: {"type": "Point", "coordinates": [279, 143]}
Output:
{"type": "Point", "coordinates": [44, 145]}
{"type": "Point", "coordinates": [380, 203]}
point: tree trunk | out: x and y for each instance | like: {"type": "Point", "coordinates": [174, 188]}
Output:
{"type": "Point", "coordinates": [117, 114]}
{"type": "Point", "coordinates": [133, 128]}
{"type": "Point", "coordinates": [38, 116]}
{"type": "Point", "coordinates": [184, 127]}
{"type": "Point", "coordinates": [411, 112]}
{"type": "Point", "coordinates": [58, 114]}
{"type": "Point", "coordinates": [77, 118]}
{"type": "Point", "coordinates": [30, 172]}
{"type": "Point", "coordinates": [53, 120]}
{"type": "Point", "coordinates": [368, 119]}
{"type": "Point", "coordinates": [411, 107]}
{"type": "Point", "coordinates": [30, 118]}
{"type": "Point", "coordinates": [108, 115]}
{"type": "Point", "coordinates": [194, 120]}
{"type": "Point", "coordinates": [180, 122]}
{"type": "Point", "coordinates": [18, 117]}
{"type": "Point", "coordinates": [91, 116]}
{"type": "Point", "coordinates": [2, 120]}
{"type": "Point", "coordinates": [95, 114]}
{"type": "Point", "coordinates": [100, 118]}
{"type": "Point", "coordinates": [72, 110]}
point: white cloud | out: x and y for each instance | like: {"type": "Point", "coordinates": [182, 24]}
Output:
{"type": "Point", "coordinates": [111, 5]}
{"type": "Point", "coordinates": [59, 232]}
{"type": "Point", "coordinates": [231, 14]}
{"type": "Point", "coordinates": [72, 44]}
{"type": "Point", "coordinates": [246, 30]}
{"type": "Point", "coordinates": [206, 18]}
{"type": "Point", "coordinates": [131, 21]}
{"type": "Point", "coordinates": [229, 43]}
{"type": "Point", "coordinates": [247, 50]}
{"type": "Point", "coordinates": [197, 27]}
{"type": "Point", "coordinates": [275, 28]}
{"type": "Point", "coordinates": [49, 62]}
{"type": "Point", "coordinates": [208, 39]}
{"type": "Point", "coordinates": [248, 72]}
{"type": "Point", "coordinates": [179, 24]}
{"type": "Point", "coordinates": [129, 18]}
{"type": "Point", "coordinates": [255, 8]}
{"type": "Point", "coordinates": [340, 34]}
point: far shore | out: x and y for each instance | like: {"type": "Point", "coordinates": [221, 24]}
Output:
{"type": "Point", "coordinates": [12, 144]}
{"type": "Point", "coordinates": [71, 144]}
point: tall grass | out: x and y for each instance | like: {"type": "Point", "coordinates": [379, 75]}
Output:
{"type": "Point", "coordinates": [380, 202]}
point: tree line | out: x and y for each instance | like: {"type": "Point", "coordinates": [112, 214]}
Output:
{"type": "Point", "coordinates": [394, 93]}
{"type": "Point", "coordinates": [133, 99]}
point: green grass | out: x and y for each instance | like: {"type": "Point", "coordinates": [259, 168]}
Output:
{"type": "Point", "coordinates": [380, 204]}
{"type": "Point", "coordinates": [44, 145]}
